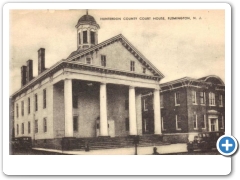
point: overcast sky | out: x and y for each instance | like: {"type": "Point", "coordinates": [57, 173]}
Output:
{"type": "Point", "coordinates": [178, 48]}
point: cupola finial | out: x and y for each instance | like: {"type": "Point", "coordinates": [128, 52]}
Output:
{"type": "Point", "coordinates": [87, 11]}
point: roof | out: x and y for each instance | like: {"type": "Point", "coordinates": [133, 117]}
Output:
{"type": "Point", "coordinates": [87, 19]}
{"type": "Point", "coordinates": [211, 79]}
{"type": "Point", "coordinates": [75, 52]}
{"type": "Point", "coordinates": [78, 53]}
{"type": "Point", "coordinates": [127, 44]}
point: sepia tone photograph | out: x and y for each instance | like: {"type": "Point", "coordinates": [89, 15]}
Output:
{"type": "Point", "coordinates": [116, 82]}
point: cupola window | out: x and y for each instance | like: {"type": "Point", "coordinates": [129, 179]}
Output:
{"type": "Point", "coordinates": [85, 37]}
{"type": "Point", "coordinates": [92, 37]}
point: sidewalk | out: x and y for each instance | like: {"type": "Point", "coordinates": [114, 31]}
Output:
{"type": "Point", "coordinates": [165, 149]}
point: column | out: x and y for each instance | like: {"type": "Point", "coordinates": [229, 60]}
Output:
{"type": "Point", "coordinates": [139, 112]}
{"type": "Point", "coordinates": [88, 36]}
{"type": "Point", "coordinates": [157, 112]}
{"type": "Point", "coordinates": [132, 112]}
{"type": "Point", "coordinates": [68, 108]}
{"type": "Point", "coordinates": [217, 126]}
{"type": "Point", "coordinates": [103, 110]}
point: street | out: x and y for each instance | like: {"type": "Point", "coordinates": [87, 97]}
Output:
{"type": "Point", "coordinates": [37, 152]}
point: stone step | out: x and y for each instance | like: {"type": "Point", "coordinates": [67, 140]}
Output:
{"type": "Point", "coordinates": [116, 142]}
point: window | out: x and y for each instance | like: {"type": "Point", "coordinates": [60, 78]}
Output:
{"type": "Point", "coordinates": [79, 38]}
{"type": "Point", "coordinates": [194, 99]}
{"type": "Point", "coordinates": [85, 37]}
{"type": "Point", "coordinates": [221, 123]}
{"type": "Point", "coordinates": [17, 110]}
{"type": "Point", "coordinates": [17, 129]}
{"type": "Point", "coordinates": [75, 123]}
{"type": "Point", "coordinates": [103, 60]}
{"type": "Point", "coordinates": [127, 124]}
{"type": "Point", "coordinates": [204, 122]}
{"type": "Point", "coordinates": [161, 101]}
{"type": "Point", "coordinates": [29, 105]}
{"type": "Point", "coordinates": [36, 126]}
{"type": "Point", "coordinates": [177, 98]}
{"type": "Point", "coordinates": [22, 128]}
{"type": "Point", "coordinates": [29, 127]}
{"type": "Point", "coordinates": [44, 124]}
{"type": "Point", "coordinates": [126, 104]}
{"type": "Point", "coordinates": [44, 98]}
{"type": "Point", "coordinates": [92, 37]}
{"type": "Point", "coordinates": [195, 125]}
{"type": "Point", "coordinates": [211, 99]}
{"type": "Point", "coordinates": [145, 106]}
{"type": "Point", "coordinates": [75, 101]}
{"type": "Point", "coordinates": [144, 70]}
{"type": "Point", "coordinates": [163, 125]}
{"type": "Point", "coordinates": [36, 102]}
{"type": "Point", "coordinates": [132, 66]}
{"type": "Point", "coordinates": [88, 60]}
{"type": "Point", "coordinates": [22, 108]}
{"type": "Point", "coordinates": [202, 98]}
{"type": "Point", "coordinates": [178, 122]}
{"type": "Point", "coordinates": [220, 100]}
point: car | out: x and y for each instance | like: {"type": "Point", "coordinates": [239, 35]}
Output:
{"type": "Point", "coordinates": [20, 143]}
{"type": "Point", "coordinates": [204, 141]}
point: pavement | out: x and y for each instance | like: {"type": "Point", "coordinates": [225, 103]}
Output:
{"type": "Point", "coordinates": [163, 149]}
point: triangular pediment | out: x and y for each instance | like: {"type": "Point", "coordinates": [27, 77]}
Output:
{"type": "Point", "coordinates": [123, 49]}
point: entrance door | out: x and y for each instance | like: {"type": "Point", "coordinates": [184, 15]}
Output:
{"type": "Point", "coordinates": [111, 128]}
{"type": "Point", "coordinates": [213, 124]}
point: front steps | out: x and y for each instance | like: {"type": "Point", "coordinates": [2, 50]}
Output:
{"type": "Point", "coordinates": [113, 142]}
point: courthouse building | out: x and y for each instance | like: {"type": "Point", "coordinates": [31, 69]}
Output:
{"type": "Point", "coordinates": [96, 91]}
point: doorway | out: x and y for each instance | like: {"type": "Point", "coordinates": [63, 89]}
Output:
{"type": "Point", "coordinates": [213, 124]}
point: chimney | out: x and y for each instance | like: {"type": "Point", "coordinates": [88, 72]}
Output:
{"type": "Point", "coordinates": [23, 75]}
{"type": "Point", "coordinates": [41, 60]}
{"type": "Point", "coordinates": [29, 70]}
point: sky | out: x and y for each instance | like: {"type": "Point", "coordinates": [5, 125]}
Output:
{"type": "Point", "coordinates": [178, 48]}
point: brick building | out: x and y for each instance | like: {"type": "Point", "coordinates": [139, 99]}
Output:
{"type": "Point", "coordinates": [188, 105]}
{"type": "Point", "coordinates": [95, 91]}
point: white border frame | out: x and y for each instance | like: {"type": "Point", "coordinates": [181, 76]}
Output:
{"type": "Point", "coordinates": [114, 165]}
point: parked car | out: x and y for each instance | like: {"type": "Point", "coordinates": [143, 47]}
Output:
{"type": "Point", "coordinates": [204, 141]}
{"type": "Point", "coordinates": [24, 142]}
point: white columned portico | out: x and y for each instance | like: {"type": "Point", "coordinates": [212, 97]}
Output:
{"type": "Point", "coordinates": [103, 110]}
{"type": "Point", "coordinates": [132, 112]}
{"type": "Point", "coordinates": [68, 108]}
{"type": "Point", "coordinates": [157, 112]}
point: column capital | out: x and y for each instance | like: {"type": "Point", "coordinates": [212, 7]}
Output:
{"type": "Point", "coordinates": [131, 87]}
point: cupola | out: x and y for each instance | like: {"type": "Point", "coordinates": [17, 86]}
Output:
{"type": "Point", "coordinates": [87, 32]}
